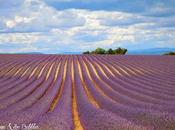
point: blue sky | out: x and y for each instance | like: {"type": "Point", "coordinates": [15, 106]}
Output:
{"type": "Point", "coordinates": [56, 26]}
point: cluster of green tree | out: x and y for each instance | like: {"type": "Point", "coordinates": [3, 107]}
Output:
{"type": "Point", "coordinates": [170, 53]}
{"type": "Point", "coordinates": [118, 51]}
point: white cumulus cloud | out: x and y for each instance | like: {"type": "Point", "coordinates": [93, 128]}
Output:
{"type": "Point", "coordinates": [34, 24]}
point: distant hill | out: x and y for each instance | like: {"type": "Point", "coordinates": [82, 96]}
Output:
{"type": "Point", "coordinates": [30, 53]}
{"type": "Point", "coordinates": [23, 53]}
{"type": "Point", "coordinates": [151, 51]}
{"type": "Point", "coordinates": [70, 53]}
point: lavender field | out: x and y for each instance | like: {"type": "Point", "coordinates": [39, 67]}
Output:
{"type": "Point", "coordinates": [88, 92]}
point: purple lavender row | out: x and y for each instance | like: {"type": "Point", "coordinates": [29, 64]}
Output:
{"type": "Point", "coordinates": [147, 70]}
{"type": "Point", "coordinates": [147, 74]}
{"type": "Point", "coordinates": [5, 73]}
{"type": "Point", "coordinates": [150, 85]}
{"type": "Point", "coordinates": [8, 59]}
{"type": "Point", "coordinates": [23, 78]}
{"type": "Point", "coordinates": [123, 91]}
{"type": "Point", "coordinates": [33, 97]}
{"type": "Point", "coordinates": [141, 79]}
{"type": "Point", "coordinates": [17, 76]}
{"type": "Point", "coordinates": [60, 116]}
{"type": "Point", "coordinates": [22, 91]}
{"type": "Point", "coordinates": [7, 91]}
{"type": "Point", "coordinates": [152, 70]}
{"type": "Point", "coordinates": [136, 85]}
{"type": "Point", "coordinates": [133, 86]}
{"type": "Point", "coordinates": [136, 115]}
{"type": "Point", "coordinates": [161, 61]}
{"type": "Point", "coordinates": [93, 118]}
{"type": "Point", "coordinates": [6, 62]}
{"type": "Point", "coordinates": [11, 69]}
{"type": "Point", "coordinates": [38, 108]}
{"type": "Point", "coordinates": [115, 95]}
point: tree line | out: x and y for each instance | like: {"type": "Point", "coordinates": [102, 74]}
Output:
{"type": "Point", "coordinates": [170, 53]}
{"type": "Point", "coordinates": [118, 51]}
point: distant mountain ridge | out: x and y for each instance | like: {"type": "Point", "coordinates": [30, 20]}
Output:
{"type": "Point", "coordinates": [23, 53]}
{"type": "Point", "coordinates": [151, 51]}
{"type": "Point", "coordinates": [31, 53]}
